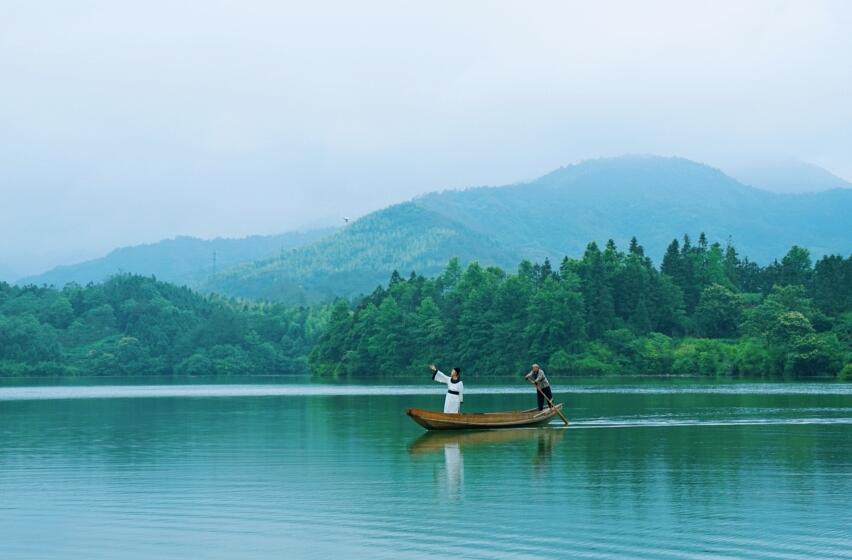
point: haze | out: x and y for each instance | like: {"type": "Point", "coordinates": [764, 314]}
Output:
{"type": "Point", "coordinates": [122, 124]}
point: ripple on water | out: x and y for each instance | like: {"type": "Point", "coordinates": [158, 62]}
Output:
{"type": "Point", "coordinates": [318, 478]}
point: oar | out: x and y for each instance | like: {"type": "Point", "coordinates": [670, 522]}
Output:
{"type": "Point", "coordinates": [553, 406]}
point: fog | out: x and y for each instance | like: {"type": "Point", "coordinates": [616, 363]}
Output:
{"type": "Point", "coordinates": [124, 123]}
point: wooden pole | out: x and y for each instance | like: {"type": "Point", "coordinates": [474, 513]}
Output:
{"type": "Point", "coordinates": [550, 402]}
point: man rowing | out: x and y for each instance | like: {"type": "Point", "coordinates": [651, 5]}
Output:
{"type": "Point", "coordinates": [455, 388]}
{"type": "Point", "coordinates": [536, 375]}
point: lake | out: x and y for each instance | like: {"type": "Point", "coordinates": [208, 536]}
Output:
{"type": "Point", "coordinates": [656, 469]}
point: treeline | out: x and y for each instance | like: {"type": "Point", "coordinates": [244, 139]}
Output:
{"type": "Point", "coordinates": [135, 326]}
{"type": "Point", "coordinates": [706, 311]}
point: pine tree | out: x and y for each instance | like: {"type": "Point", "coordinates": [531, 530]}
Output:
{"type": "Point", "coordinates": [635, 248]}
{"type": "Point", "coordinates": [640, 320]}
{"type": "Point", "coordinates": [796, 267]}
{"type": "Point", "coordinates": [732, 265]}
{"type": "Point", "coordinates": [546, 270]}
{"type": "Point", "coordinates": [429, 331]}
{"type": "Point", "coordinates": [831, 286]}
{"type": "Point", "coordinates": [600, 312]}
{"type": "Point", "coordinates": [672, 260]}
{"type": "Point", "coordinates": [556, 319]}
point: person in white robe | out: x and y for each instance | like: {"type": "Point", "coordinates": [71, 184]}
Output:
{"type": "Point", "coordinates": [455, 388]}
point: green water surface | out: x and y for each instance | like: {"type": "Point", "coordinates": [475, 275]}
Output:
{"type": "Point", "coordinates": [299, 470]}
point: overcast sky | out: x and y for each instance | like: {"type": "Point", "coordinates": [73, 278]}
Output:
{"type": "Point", "coordinates": [130, 122]}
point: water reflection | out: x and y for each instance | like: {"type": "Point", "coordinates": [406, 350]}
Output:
{"type": "Point", "coordinates": [544, 448]}
{"type": "Point", "coordinates": [436, 441]}
{"type": "Point", "coordinates": [489, 442]}
{"type": "Point", "coordinates": [664, 475]}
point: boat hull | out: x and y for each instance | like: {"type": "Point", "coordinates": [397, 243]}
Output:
{"type": "Point", "coordinates": [432, 420]}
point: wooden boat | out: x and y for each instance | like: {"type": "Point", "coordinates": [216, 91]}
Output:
{"type": "Point", "coordinates": [432, 420]}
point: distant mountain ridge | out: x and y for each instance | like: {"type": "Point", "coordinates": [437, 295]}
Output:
{"type": "Point", "coordinates": [787, 176]}
{"type": "Point", "coordinates": [182, 260]}
{"type": "Point", "coordinates": [361, 256]}
{"type": "Point", "coordinates": [650, 197]}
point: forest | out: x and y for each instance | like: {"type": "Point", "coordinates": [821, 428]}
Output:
{"type": "Point", "coordinates": [706, 311]}
{"type": "Point", "coordinates": [138, 326]}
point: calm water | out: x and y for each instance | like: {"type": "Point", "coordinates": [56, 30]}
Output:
{"type": "Point", "coordinates": [309, 471]}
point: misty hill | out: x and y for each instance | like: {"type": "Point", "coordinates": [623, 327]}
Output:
{"type": "Point", "coordinates": [788, 176]}
{"type": "Point", "coordinates": [653, 198]}
{"type": "Point", "coordinates": [183, 260]}
{"type": "Point", "coordinates": [360, 257]}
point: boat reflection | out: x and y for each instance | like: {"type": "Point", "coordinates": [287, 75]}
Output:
{"type": "Point", "coordinates": [436, 441]}
{"type": "Point", "coordinates": [453, 444]}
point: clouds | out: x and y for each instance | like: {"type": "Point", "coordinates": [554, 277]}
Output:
{"type": "Point", "coordinates": [127, 123]}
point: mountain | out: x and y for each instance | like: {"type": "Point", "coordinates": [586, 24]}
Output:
{"type": "Point", "coordinates": [653, 198]}
{"type": "Point", "coordinates": [787, 176]}
{"type": "Point", "coordinates": [361, 256]}
{"type": "Point", "coordinates": [183, 260]}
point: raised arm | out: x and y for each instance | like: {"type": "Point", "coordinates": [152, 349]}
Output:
{"type": "Point", "coordinates": [438, 375]}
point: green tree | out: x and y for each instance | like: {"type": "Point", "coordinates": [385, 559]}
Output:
{"type": "Point", "coordinates": [556, 319]}
{"type": "Point", "coordinates": [718, 312]}
{"type": "Point", "coordinates": [832, 284]}
{"type": "Point", "coordinates": [813, 355]}
{"type": "Point", "coordinates": [796, 267]}
{"type": "Point", "coordinates": [600, 311]}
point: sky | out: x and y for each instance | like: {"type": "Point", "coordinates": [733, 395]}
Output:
{"type": "Point", "coordinates": [130, 122]}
